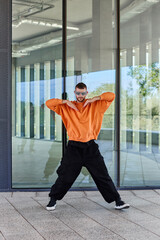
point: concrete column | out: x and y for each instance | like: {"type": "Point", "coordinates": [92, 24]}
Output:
{"type": "Point", "coordinates": [47, 92]}
{"type": "Point", "coordinates": [148, 102]}
{"type": "Point", "coordinates": [70, 83]}
{"type": "Point", "coordinates": [18, 102]}
{"type": "Point", "coordinates": [123, 109]}
{"type": "Point", "coordinates": [58, 94]}
{"type": "Point", "coordinates": [142, 54]}
{"type": "Point", "coordinates": [27, 101]}
{"type": "Point", "coordinates": [81, 55]}
{"type": "Point", "coordinates": [155, 53]}
{"type": "Point", "coordinates": [129, 57]}
{"type": "Point", "coordinates": [136, 112]}
{"type": "Point", "coordinates": [37, 100]}
{"type": "Point", "coordinates": [102, 43]}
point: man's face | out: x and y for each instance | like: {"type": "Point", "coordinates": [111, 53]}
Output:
{"type": "Point", "coordinates": [80, 97]}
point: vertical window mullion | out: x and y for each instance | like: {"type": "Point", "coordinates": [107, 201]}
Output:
{"type": "Point", "coordinates": [64, 60]}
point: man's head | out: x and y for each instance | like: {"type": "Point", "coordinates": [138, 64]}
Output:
{"type": "Point", "coordinates": [80, 92]}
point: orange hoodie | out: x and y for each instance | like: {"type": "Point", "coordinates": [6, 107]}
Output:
{"type": "Point", "coordinates": [85, 124]}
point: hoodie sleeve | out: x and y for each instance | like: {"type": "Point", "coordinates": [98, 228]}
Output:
{"type": "Point", "coordinates": [105, 101]}
{"type": "Point", "coordinates": [55, 105]}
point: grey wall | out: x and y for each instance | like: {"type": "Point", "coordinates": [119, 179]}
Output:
{"type": "Point", "coordinates": [5, 94]}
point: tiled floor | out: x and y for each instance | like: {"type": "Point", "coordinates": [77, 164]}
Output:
{"type": "Point", "coordinates": [79, 215]}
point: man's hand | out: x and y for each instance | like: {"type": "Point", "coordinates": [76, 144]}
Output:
{"type": "Point", "coordinates": [70, 104]}
{"type": "Point", "coordinates": [90, 100]}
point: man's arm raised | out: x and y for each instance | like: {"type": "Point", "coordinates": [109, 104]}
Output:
{"type": "Point", "coordinates": [107, 96]}
{"type": "Point", "coordinates": [105, 99]}
{"type": "Point", "coordinates": [55, 104]}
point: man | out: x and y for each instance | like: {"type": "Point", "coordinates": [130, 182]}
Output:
{"type": "Point", "coordinates": [83, 120]}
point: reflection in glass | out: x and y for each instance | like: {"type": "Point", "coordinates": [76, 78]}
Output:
{"type": "Point", "coordinates": [37, 76]}
{"type": "Point", "coordinates": [91, 58]}
{"type": "Point", "coordinates": [140, 78]}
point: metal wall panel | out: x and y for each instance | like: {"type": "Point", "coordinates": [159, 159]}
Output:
{"type": "Point", "coordinates": [5, 95]}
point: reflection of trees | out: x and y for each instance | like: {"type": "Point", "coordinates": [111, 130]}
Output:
{"type": "Point", "coordinates": [106, 87]}
{"type": "Point", "coordinates": [147, 78]}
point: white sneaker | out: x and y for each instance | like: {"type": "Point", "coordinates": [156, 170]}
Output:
{"type": "Point", "coordinates": [51, 205]}
{"type": "Point", "coordinates": [121, 205]}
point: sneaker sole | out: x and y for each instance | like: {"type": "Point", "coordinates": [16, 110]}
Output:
{"type": "Point", "coordinates": [51, 208]}
{"type": "Point", "coordinates": [122, 207]}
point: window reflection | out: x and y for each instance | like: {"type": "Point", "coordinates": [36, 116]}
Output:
{"type": "Point", "coordinates": [37, 76]}
{"type": "Point", "coordinates": [140, 94]}
{"type": "Point", "coordinates": [92, 60]}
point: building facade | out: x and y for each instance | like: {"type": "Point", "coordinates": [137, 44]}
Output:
{"type": "Point", "coordinates": [46, 48]}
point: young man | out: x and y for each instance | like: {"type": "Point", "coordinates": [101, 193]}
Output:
{"type": "Point", "coordinates": [83, 120]}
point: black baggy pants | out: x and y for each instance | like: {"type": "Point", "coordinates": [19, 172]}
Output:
{"type": "Point", "coordinates": [77, 155]}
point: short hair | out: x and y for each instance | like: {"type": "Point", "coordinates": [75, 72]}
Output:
{"type": "Point", "coordinates": [81, 86]}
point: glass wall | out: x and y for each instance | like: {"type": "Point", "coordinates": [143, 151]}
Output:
{"type": "Point", "coordinates": [37, 77]}
{"type": "Point", "coordinates": [92, 59]}
{"type": "Point", "coordinates": [140, 93]}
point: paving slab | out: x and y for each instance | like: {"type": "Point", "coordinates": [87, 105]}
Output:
{"type": "Point", "coordinates": [80, 215]}
{"type": "Point", "coordinates": [23, 194]}
{"type": "Point", "coordinates": [81, 223]}
{"type": "Point", "coordinates": [122, 225]}
{"type": "Point", "coordinates": [26, 236]}
{"type": "Point", "coordinates": [1, 237]}
{"type": "Point", "coordinates": [145, 193]}
{"type": "Point", "coordinates": [42, 221]}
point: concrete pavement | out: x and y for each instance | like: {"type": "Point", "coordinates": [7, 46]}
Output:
{"type": "Point", "coordinates": [80, 215]}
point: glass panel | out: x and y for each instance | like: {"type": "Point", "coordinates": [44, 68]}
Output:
{"type": "Point", "coordinates": [91, 59]}
{"type": "Point", "coordinates": [37, 77]}
{"type": "Point", "coordinates": [140, 93]}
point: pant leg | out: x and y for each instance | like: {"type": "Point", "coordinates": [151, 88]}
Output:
{"type": "Point", "coordinates": [95, 164]}
{"type": "Point", "coordinates": [69, 169]}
